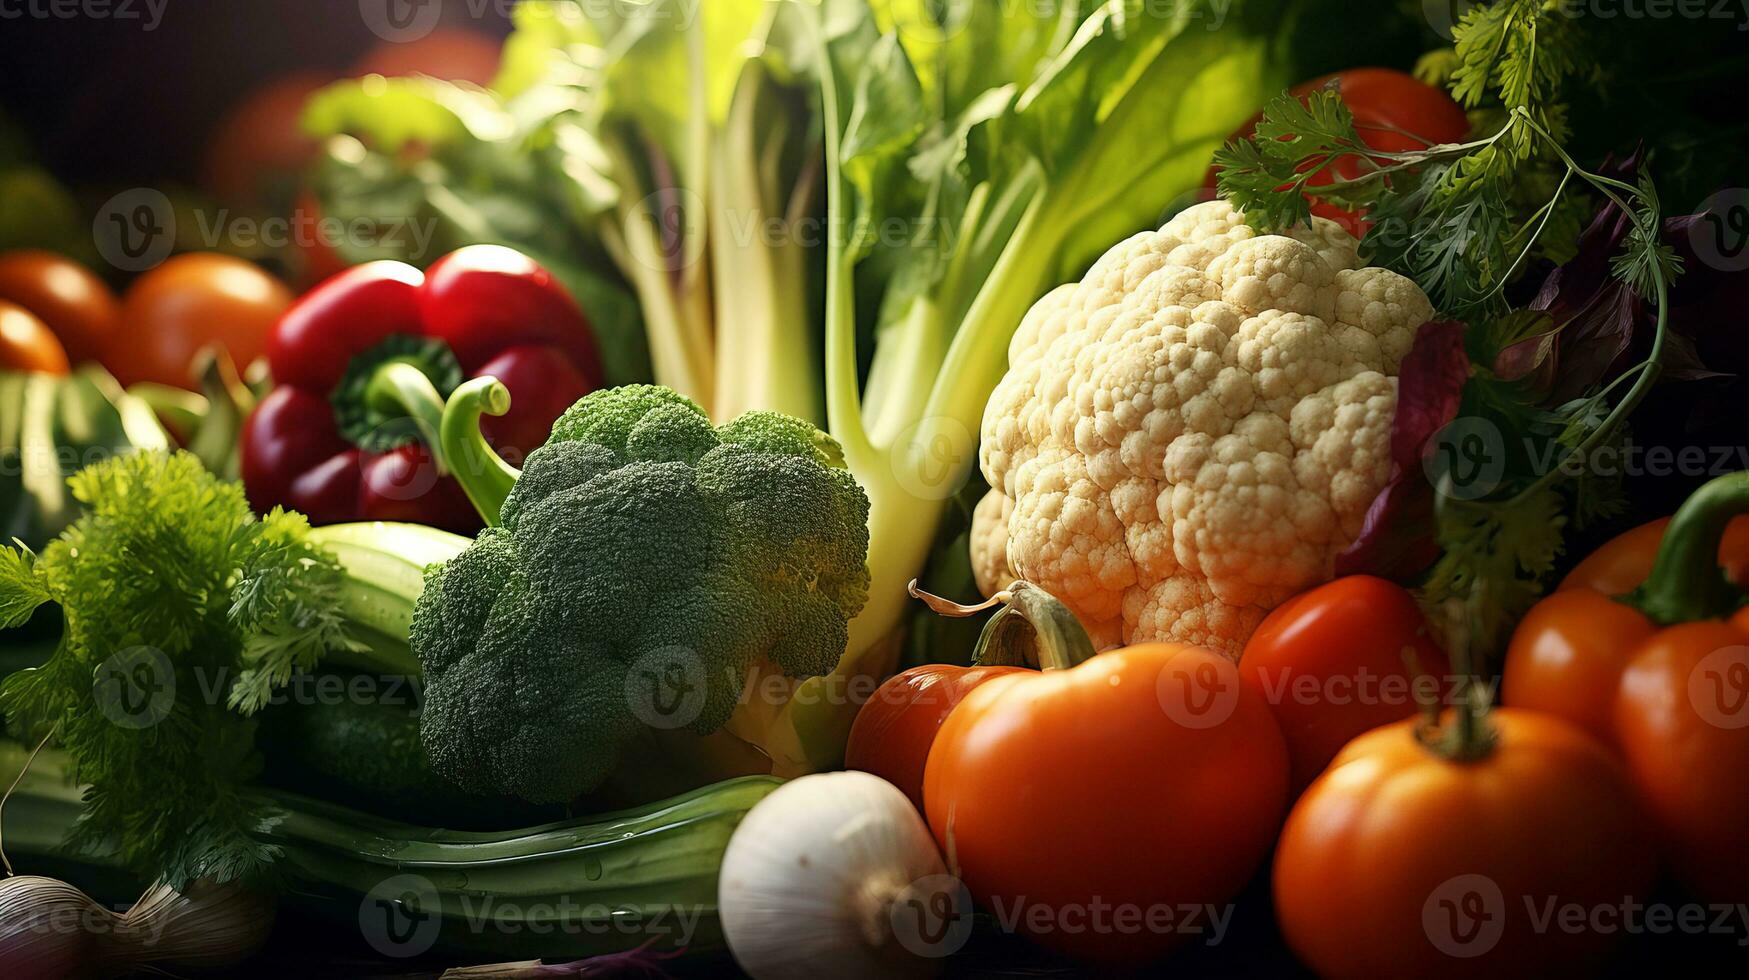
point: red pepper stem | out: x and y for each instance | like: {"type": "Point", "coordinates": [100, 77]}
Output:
{"type": "Point", "coordinates": [483, 474]}
{"type": "Point", "coordinates": [398, 387]}
{"type": "Point", "coordinates": [1686, 583]}
{"type": "Point", "coordinates": [1031, 621]}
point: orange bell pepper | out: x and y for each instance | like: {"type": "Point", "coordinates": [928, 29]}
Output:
{"type": "Point", "coordinates": [1660, 672]}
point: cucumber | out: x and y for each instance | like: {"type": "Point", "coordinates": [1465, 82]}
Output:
{"type": "Point", "coordinates": [570, 889]}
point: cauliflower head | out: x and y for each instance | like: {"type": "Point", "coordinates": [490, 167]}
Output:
{"type": "Point", "coordinates": [648, 563]}
{"type": "Point", "coordinates": [1192, 433]}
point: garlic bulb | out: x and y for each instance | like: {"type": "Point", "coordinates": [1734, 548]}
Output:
{"type": "Point", "coordinates": [837, 873]}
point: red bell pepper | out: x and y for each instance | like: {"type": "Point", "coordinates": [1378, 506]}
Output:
{"type": "Point", "coordinates": [363, 362]}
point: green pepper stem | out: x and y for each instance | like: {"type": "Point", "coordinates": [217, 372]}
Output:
{"type": "Point", "coordinates": [483, 474]}
{"type": "Point", "coordinates": [1030, 620]}
{"type": "Point", "coordinates": [1686, 583]}
{"type": "Point", "coordinates": [398, 387]}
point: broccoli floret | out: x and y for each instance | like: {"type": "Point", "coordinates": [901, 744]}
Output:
{"type": "Point", "coordinates": [647, 563]}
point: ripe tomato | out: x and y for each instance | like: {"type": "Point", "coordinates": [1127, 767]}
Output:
{"type": "Point", "coordinates": [1682, 718]}
{"type": "Point", "coordinates": [447, 53]}
{"type": "Point", "coordinates": [79, 309]}
{"type": "Point", "coordinates": [189, 302]}
{"type": "Point", "coordinates": [27, 344]}
{"type": "Point", "coordinates": [893, 732]}
{"type": "Point", "coordinates": [259, 148]}
{"type": "Point", "coordinates": [1393, 111]}
{"type": "Point", "coordinates": [1400, 862]}
{"type": "Point", "coordinates": [1093, 802]}
{"type": "Point", "coordinates": [1336, 661]}
{"type": "Point", "coordinates": [1567, 655]}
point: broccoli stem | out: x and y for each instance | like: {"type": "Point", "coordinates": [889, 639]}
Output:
{"type": "Point", "coordinates": [483, 474]}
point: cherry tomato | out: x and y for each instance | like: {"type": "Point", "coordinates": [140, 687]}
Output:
{"type": "Point", "coordinates": [189, 302]}
{"type": "Point", "coordinates": [1089, 799]}
{"type": "Point", "coordinates": [27, 344]}
{"type": "Point", "coordinates": [79, 309]}
{"type": "Point", "coordinates": [1682, 718]}
{"type": "Point", "coordinates": [448, 53]}
{"type": "Point", "coordinates": [1398, 862]}
{"type": "Point", "coordinates": [893, 732]}
{"type": "Point", "coordinates": [1336, 661]}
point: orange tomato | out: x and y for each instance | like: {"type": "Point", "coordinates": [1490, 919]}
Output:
{"type": "Point", "coordinates": [1094, 804]}
{"type": "Point", "coordinates": [27, 344]}
{"type": "Point", "coordinates": [1682, 717]}
{"type": "Point", "coordinates": [1399, 862]}
{"type": "Point", "coordinates": [189, 302]}
{"type": "Point", "coordinates": [77, 306]}
{"type": "Point", "coordinates": [1334, 662]}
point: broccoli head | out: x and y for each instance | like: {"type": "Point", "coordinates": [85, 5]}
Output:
{"type": "Point", "coordinates": [647, 565]}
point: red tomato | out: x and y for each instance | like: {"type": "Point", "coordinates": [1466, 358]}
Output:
{"type": "Point", "coordinates": [1334, 662]}
{"type": "Point", "coordinates": [27, 343]}
{"type": "Point", "coordinates": [79, 309]}
{"type": "Point", "coordinates": [1393, 111]}
{"type": "Point", "coordinates": [1399, 862]}
{"type": "Point", "coordinates": [1094, 801]}
{"type": "Point", "coordinates": [895, 729]}
{"type": "Point", "coordinates": [1682, 718]}
{"type": "Point", "coordinates": [446, 53]}
{"type": "Point", "coordinates": [260, 143]}
{"type": "Point", "coordinates": [189, 302]}
{"type": "Point", "coordinates": [1567, 655]}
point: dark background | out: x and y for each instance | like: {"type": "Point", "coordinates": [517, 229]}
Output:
{"type": "Point", "coordinates": [106, 100]}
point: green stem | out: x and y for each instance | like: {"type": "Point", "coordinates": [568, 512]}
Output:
{"type": "Point", "coordinates": [1031, 621]}
{"type": "Point", "coordinates": [483, 474]}
{"type": "Point", "coordinates": [1686, 583]}
{"type": "Point", "coordinates": [399, 387]}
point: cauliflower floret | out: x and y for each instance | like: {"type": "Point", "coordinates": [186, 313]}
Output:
{"type": "Point", "coordinates": [1193, 432]}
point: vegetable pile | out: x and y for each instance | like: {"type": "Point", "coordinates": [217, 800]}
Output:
{"type": "Point", "coordinates": [547, 566]}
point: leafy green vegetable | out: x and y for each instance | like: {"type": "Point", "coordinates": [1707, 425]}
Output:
{"type": "Point", "coordinates": [647, 567]}
{"type": "Point", "coordinates": [183, 612]}
{"type": "Point", "coordinates": [1455, 219]}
